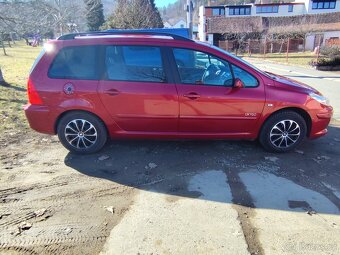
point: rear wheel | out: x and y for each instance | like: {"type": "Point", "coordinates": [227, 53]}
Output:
{"type": "Point", "coordinates": [283, 131]}
{"type": "Point", "coordinates": [82, 132]}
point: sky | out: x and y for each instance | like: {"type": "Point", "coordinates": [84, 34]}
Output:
{"type": "Point", "coordinates": [162, 3]}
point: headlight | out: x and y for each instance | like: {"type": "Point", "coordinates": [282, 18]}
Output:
{"type": "Point", "coordinates": [321, 99]}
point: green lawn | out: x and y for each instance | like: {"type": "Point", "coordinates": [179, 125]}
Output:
{"type": "Point", "coordinates": [300, 58]}
{"type": "Point", "coordinates": [15, 68]}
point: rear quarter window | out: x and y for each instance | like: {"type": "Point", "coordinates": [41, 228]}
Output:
{"type": "Point", "coordinates": [36, 61]}
{"type": "Point", "coordinates": [76, 62]}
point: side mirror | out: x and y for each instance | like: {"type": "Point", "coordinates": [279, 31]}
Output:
{"type": "Point", "coordinates": [238, 84]}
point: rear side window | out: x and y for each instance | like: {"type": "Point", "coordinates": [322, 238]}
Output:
{"type": "Point", "coordinates": [76, 62]}
{"type": "Point", "coordinates": [134, 63]}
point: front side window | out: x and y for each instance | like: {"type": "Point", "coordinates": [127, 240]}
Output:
{"type": "Point", "coordinates": [76, 62]}
{"type": "Point", "coordinates": [134, 63]}
{"type": "Point", "coordinates": [248, 80]}
{"type": "Point", "coordinates": [290, 8]}
{"type": "Point", "coordinates": [200, 68]}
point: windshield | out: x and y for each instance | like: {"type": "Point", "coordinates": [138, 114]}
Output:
{"type": "Point", "coordinates": [243, 61]}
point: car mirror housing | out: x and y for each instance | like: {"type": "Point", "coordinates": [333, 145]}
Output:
{"type": "Point", "coordinates": [238, 84]}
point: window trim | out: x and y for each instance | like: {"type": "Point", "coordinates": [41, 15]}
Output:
{"type": "Point", "coordinates": [97, 57]}
{"type": "Point", "coordinates": [272, 9]}
{"type": "Point", "coordinates": [291, 8]}
{"type": "Point", "coordinates": [245, 8]}
{"type": "Point", "coordinates": [178, 77]}
{"type": "Point", "coordinates": [221, 11]}
{"type": "Point", "coordinates": [317, 2]}
{"type": "Point", "coordinates": [164, 59]}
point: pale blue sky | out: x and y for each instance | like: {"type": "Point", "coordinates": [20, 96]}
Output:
{"type": "Point", "coordinates": [162, 3]}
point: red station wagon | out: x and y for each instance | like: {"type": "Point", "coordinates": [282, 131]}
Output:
{"type": "Point", "coordinates": [88, 87]}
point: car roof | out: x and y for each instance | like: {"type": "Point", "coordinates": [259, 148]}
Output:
{"type": "Point", "coordinates": [125, 34]}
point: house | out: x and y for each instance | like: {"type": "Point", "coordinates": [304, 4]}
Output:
{"type": "Point", "coordinates": [261, 14]}
{"type": "Point", "coordinates": [180, 23]}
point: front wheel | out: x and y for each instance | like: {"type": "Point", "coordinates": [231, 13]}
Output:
{"type": "Point", "coordinates": [81, 132]}
{"type": "Point", "coordinates": [283, 131]}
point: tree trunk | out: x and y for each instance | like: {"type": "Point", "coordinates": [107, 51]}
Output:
{"type": "Point", "coordinates": [2, 80]}
{"type": "Point", "coordinates": [2, 44]}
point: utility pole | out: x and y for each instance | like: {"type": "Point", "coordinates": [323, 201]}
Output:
{"type": "Point", "coordinates": [190, 11]}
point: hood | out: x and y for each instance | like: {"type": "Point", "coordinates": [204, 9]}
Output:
{"type": "Point", "coordinates": [290, 84]}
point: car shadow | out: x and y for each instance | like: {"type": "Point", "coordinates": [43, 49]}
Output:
{"type": "Point", "coordinates": [303, 180]}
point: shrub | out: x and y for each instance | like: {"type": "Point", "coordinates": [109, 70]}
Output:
{"type": "Point", "coordinates": [327, 62]}
{"type": "Point", "coordinates": [330, 51]}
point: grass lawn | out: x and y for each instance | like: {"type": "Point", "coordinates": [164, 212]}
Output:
{"type": "Point", "coordinates": [15, 68]}
{"type": "Point", "coordinates": [300, 58]}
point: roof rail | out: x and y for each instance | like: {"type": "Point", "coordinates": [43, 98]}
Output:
{"type": "Point", "coordinates": [123, 32]}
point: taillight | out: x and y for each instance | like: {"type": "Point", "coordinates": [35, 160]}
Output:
{"type": "Point", "coordinates": [33, 96]}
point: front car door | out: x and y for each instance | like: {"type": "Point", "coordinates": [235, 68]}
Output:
{"type": "Point", "coordinates": [136, 90]}
{"type": "Point", "coordinates": [209, 104]}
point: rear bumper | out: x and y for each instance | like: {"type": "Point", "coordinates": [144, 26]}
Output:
{"type": "Point", "coordinates": [40, 119]}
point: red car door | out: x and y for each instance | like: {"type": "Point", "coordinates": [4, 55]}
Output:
{"type": "Point", "coordinates": [208, 101]}
{"type": "Point", "coordinates": [136, 91]}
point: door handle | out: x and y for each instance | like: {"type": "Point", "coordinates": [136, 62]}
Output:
{"type": "Point", "coordinates": [112, 92]}
{"type": "Point", "coordinates": [192, 95]}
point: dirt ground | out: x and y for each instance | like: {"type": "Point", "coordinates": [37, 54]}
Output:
{"type": "Point", "coordinates": [53, 202]}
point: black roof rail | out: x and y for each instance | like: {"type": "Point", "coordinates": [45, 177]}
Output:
{"type": "Point", "coordinates": [123, 32]}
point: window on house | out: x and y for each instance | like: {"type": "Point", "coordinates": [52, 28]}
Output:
{"type": "Point", "coordinates": [267, 9]}
{"type": "Point", "coordinates": [218, 11]}
{"type": "Point", "coordinates": [319, 4]}
{"type": "Point", "coordinates": [240, 10]}
{"type": "Point", "coordinates": [290, 8]}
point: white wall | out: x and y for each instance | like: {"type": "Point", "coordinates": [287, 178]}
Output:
{"type": "Point", "coordinates": [326, 35]}
{"type": "Point", "coordinates": [180, 24]}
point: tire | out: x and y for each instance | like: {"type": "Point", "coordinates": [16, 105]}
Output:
{"type": "Point", "coordinates": [283, 131]}
{"type": "Point", "coordinates": [82, 132]}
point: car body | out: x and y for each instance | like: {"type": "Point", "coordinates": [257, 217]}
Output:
{"type": "Point", "coordinates": [163, 86]}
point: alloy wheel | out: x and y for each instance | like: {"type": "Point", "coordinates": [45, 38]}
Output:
{"type": "Point", "coordinates": [285, 133]}
{"type": "Point", "coordinates": [81, 134]}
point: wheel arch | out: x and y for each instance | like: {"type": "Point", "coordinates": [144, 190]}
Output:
{"type": "Point", "coordinates": [78, 111]}
{"type": "Point", "coordinates": [305, 115]}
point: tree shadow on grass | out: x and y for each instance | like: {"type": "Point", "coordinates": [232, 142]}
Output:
{"type": "Point", "coordinates": [13, 86]}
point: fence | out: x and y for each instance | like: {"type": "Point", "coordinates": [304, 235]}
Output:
{"type": "Point", "coordinates": [263, 46]}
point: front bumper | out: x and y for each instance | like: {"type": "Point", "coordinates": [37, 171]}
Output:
{"type": "Point", "coordinates": [320, 122]}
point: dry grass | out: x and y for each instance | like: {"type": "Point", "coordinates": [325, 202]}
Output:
{"type": "Point", "coordinates": [15, 68]}
{"type": "Point", "coordinates": [299, 58]}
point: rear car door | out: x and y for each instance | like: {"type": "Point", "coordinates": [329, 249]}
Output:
{"type": "Point", "coordinates": [208, 101]}
{"type": "Point", "coordinates": [137, 91]}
